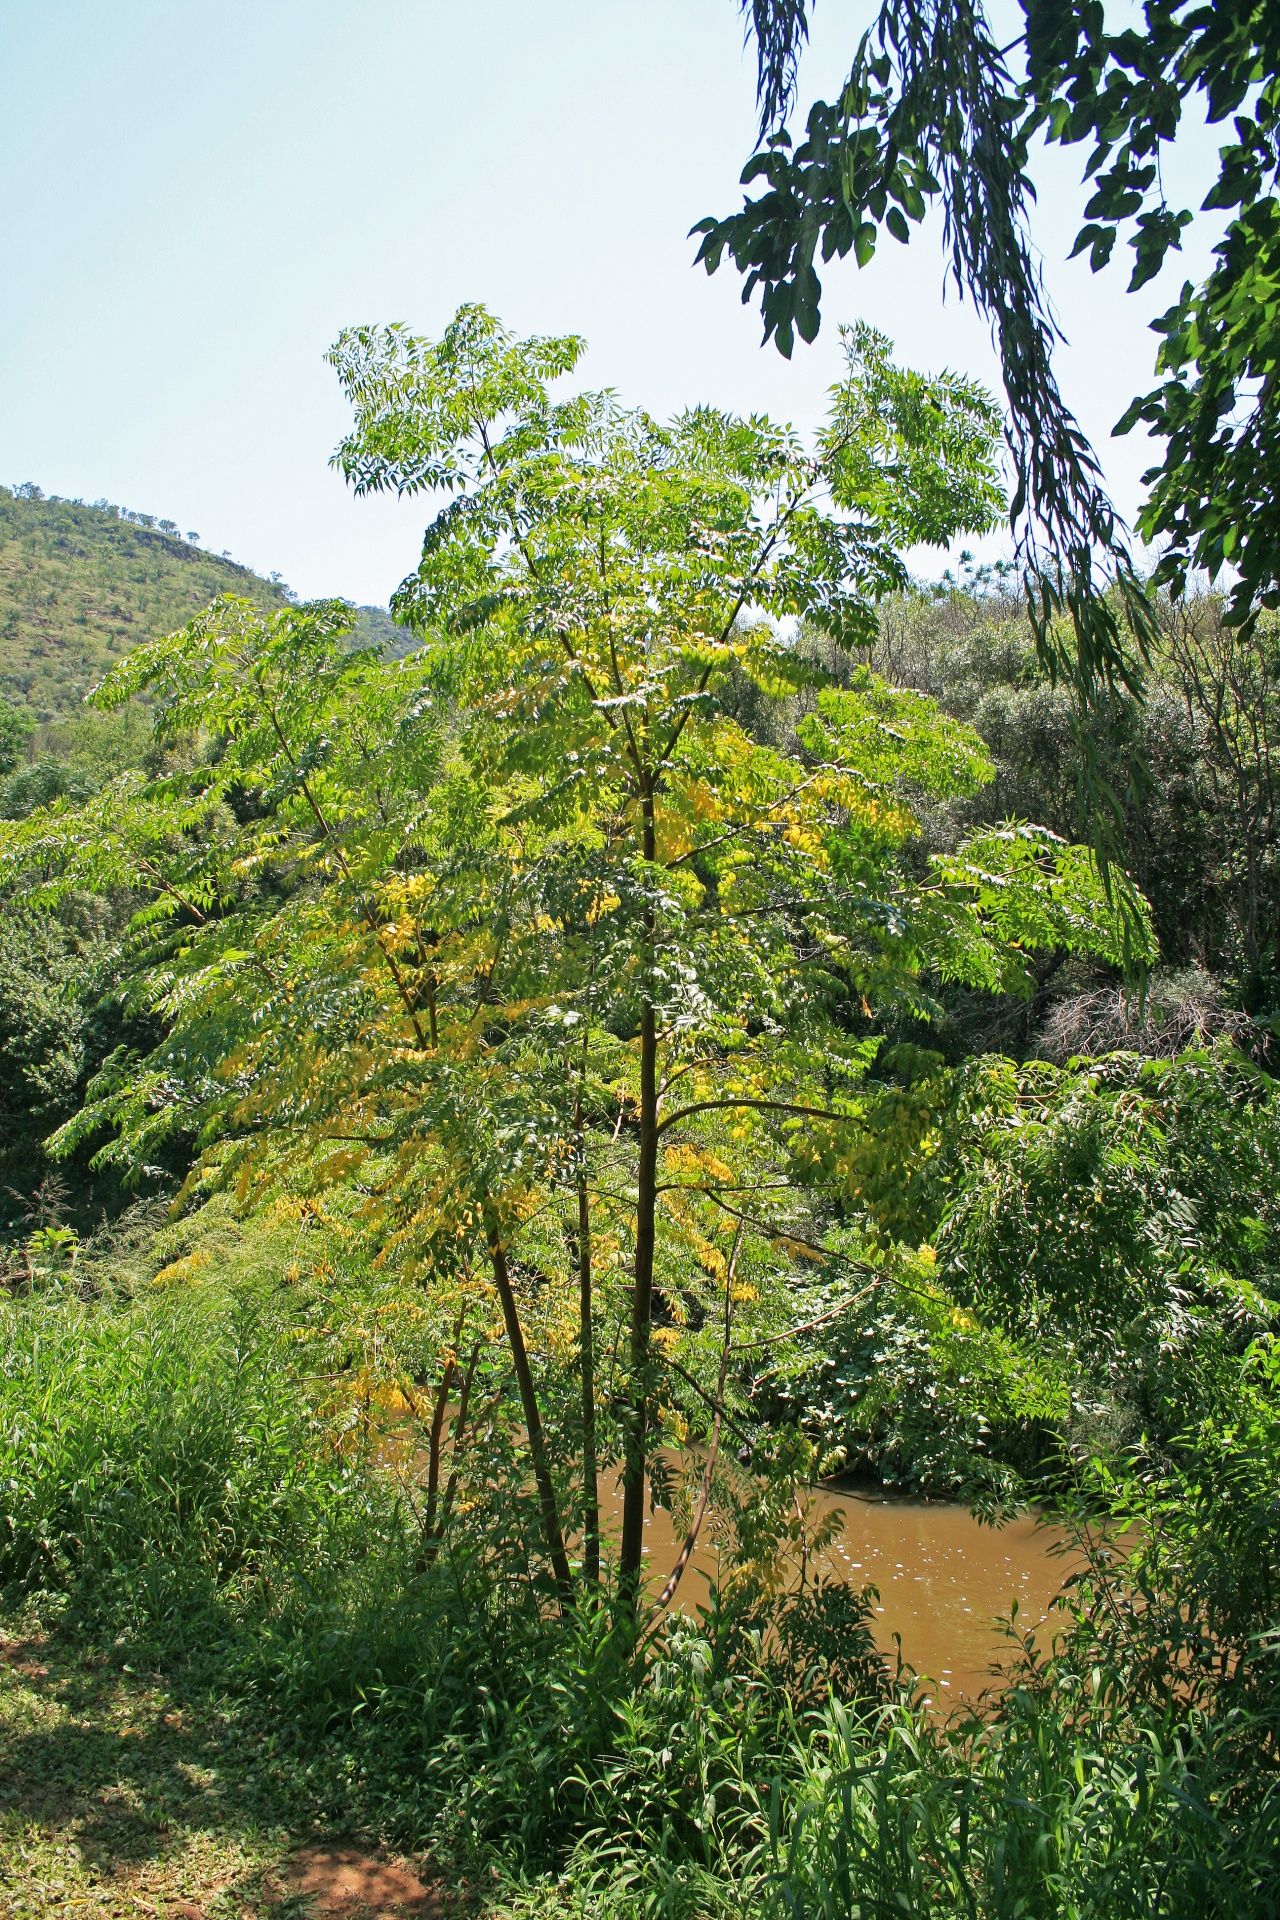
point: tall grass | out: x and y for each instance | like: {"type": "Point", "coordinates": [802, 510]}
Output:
{"type": "Point", "coordinates": [167, 1476]}
{"type": "Point", "coordinates": [159, 1463]}
{"type": "Point", "coordinates": [1061, 1801]}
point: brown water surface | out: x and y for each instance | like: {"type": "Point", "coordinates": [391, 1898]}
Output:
{"type": "Point", "coordinates": [944, 1580]}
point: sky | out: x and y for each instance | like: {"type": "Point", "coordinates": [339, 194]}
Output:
{"type": "Point", "coordinates": [197, 195]}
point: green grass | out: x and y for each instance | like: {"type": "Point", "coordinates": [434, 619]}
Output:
{"type": "Point", "coordinates": [126, 1793]}
{"type": "Point", "coordinates": [121, 1794]}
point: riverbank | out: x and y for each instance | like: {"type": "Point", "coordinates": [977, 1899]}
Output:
{"type": "Point", "coordinates": [227, 1645]}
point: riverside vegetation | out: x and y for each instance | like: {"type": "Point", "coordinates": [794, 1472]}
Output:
{"type": "Point", "coordinates": [658, 1023]}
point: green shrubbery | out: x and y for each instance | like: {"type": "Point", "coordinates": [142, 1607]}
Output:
{"type": "Point", "coordinates": [158, 1463]}
{"type": "Point", "coordinates": [1075, 1242]}
{"type": "Point", "coordinates": [176, 1483]}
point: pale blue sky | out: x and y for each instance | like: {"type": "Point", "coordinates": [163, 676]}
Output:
{"type": "Point", "coordinates": [195, 195]}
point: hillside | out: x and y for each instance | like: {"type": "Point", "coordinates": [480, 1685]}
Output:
{"type": "Point", "coordinates": [80, 586]}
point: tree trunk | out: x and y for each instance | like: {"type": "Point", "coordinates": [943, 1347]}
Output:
{"type": "Point", "coordinates": [532, 1420]}
{"type": "Point", "coordinates": [440, 1527]}
{"type": "Point", "coordinates": [587, 1360]}
{"type": "Point", "coordinates": [637, 1414]}
{"type": "Point", "coordinates": [433, 1445]}
{"type": "Point", "coordinates": [665, 1598]}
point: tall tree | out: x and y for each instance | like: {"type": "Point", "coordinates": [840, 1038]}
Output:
{"type": "Point", "coordinates": [619, 572]}
{"type": "Point", "coordinates": [525, 926]}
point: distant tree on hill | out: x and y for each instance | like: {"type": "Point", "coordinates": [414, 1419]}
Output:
{"type": "Point", "coordinates": [15, 729]}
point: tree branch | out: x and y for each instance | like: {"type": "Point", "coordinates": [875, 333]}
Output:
{"type": "Point", "coordinates": [764, 1106]}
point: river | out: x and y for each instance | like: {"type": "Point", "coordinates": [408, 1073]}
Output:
{"type": "Point", "coordinates": [944, 1580]}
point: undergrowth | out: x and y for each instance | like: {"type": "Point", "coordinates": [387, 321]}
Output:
{"type": "Point", "coordinates": [175, 1486]}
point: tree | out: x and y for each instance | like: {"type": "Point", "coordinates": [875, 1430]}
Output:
{"type": "Point", "coordinates": [1230, 684]}
{"type": "Point", "coordinates": [932, 112]}
{"type": "Point", "coordinates": [524, 928]}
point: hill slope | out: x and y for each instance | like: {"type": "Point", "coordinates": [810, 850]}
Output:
{"type": "Point", "coordinates": [81, 586]}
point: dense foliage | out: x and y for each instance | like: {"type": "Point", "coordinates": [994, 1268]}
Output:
{"type": "Point", "coordinates": [79, 587]}
{"type": "Point", "coordinates": [1201, 834]}
{"type": "Point", "coordinates": [1064, 1248]}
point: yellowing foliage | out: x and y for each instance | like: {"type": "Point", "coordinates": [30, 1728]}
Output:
{"type": "Point", "coordinates": [179, 1272]}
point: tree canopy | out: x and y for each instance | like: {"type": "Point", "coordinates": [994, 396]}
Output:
{"type": "Point", "coordinates": [936, 111]}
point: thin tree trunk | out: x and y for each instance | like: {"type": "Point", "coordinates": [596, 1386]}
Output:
{"type": "Point", "coordinates": [437, 1426]}
{"type": "Point", "coordinates": [667, 1595]}
{"type": "Point", "coordinates": [437, 1531]}
{"type": "Point", "coordinates": [433, 1445]}
{"type": "Point", "coordinates": [587, 1360]}
{"type": "Point", "coordinates": [532, 1419]}
{"type": "Point", "coordinates": [637, 1414]}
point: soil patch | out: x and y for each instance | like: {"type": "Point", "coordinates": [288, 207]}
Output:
{"type": "Point", "coordinates": [344, 1881]}
{"type": "Point", "coordinates": [22, 1656]}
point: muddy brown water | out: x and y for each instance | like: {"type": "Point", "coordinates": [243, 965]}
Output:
{"type": "Point", "coordinates": [944, 1580]}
